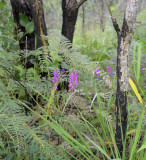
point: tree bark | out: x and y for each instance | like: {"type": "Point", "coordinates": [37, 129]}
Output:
{"type": "Point", "coordinates": [33, 9]}
{"type": "Point", "coordinates": [83, 19]}
{"type": "Point", "coordinates": [124, 40]}
{"type": "Point", "coordinates": [102, 14]}
{"type": "Point", "coordinates": [70, 13]}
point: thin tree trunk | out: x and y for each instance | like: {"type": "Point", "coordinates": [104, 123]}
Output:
{"type": "Point", "coordinates": [33, 9]}
{"type": "Point", "coordinates": [124, 40]}
{"type": "Point", "coordinates": [70, 13]}
{"type": "Point", "coordinates": [83, 19]}
{"type": "Point", "coordinates": [102, 16]}
{"type": "Point", "coordinates": [101, 5]}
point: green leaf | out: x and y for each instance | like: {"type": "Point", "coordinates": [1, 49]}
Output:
{"type": "Point", "coordinates": [138, 61]}
{"type": "Point", "coordinates": [142, 147]}
{"type": "Point", "coordinates": [24, 20]}
{"type": "Point", "coordinates": [29, 27]}
{"type": "Point", "coordinates": [20, 35]}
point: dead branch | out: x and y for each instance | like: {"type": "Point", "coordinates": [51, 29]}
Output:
{"type": "Point", "coordinates": [115, 24]}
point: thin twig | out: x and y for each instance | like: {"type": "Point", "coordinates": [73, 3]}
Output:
{"type": "Point", "coordinates": [115, 24]}
{"type": "Point", "coordinates": [108, 6]}
{"type": "Point", "coordinates": [12, 75]}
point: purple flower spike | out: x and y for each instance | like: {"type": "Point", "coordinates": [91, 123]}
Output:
{"type": "Point", "coordinates": [55, 79]}
{"type": "Point", "coordinates": [108, 68]}
{"type": "Point", "coordinates": [110, 73]}
{"type": "Point", "coordinates": [141, 67]}
{"type": "Point", "coordinates": [73, 80]}
{"type": "Point", "coordinates": [96, 74]}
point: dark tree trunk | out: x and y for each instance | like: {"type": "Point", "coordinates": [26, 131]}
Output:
{"type": "Point", "coordinates": [70, 13]}
{"type": "Point", "coordinates": [69, 19]}
{"type": "Point", "coordinates": [33, 9]}
{"type": "Point", "coordinates": [124, 40]}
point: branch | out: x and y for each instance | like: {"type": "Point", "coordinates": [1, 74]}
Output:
{"type": "Point", "coordinates": [115, 24]}
{"type": "Point", "coordinates": [79, 4]}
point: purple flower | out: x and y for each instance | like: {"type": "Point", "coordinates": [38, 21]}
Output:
{"type": "Point", "coordinates": [55, 79]}
{"type": "Point", "coordinates": [130, 100]}
{"type": "Point", "coordinates": [108, 68]}
{"type": "Point", "coordinates": [141, 67]}
{"type": "Point", "coordinates": [73, 80]}
{"type": "Point", "coordinates": [110, 73]}
{"type": "Point", "coordinates": [96, 74]}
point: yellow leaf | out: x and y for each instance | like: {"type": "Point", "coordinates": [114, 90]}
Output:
{"type": "Point", "coordinates": [131, 131]}
{"type": "Point", "coordinates": [135, 90]}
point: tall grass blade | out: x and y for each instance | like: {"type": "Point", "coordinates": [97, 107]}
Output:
{"type": "Point", "coordinates": [138, 62]}
{"type": "Point", "coordinates": [144, 144]}
{"type": "Point", "coordinates": [83, 141]}
{"type": "Point", "coordinates": [99, 148]}
{"type": "Point", "coordinates": [66, 136]}
{"type": "Point", "coordinates": [137, 135]}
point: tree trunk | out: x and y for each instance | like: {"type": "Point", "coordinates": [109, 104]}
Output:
{"type": "Point", "coordinates": [83, 19]}
{"type": "Point", "coordinates": [124, 40]}
{"type": "Point", "coordinates": [70, 13]}
{"type": "Point", "coordinates": [101, 10]}
{"type": "Point", "coordinates": [33, 9]}
{"type": "Point", "coordinates": [69, 19]}
{"type": "Point", "coordinates": [102, 16]}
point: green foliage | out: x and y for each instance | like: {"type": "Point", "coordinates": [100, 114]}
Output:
{"type": "Point", "coordinates": [140, 31]}
{"type": "Point", "coordinates": [137, 134]}
{"type": "Point", "coordinates": [18, 140]}
{"type": "Point", "coordinates": [99, 47]}
{"type": "Point", "coordinates": [25, 22]}
{"type": "Point", "coordinates": [29, 27]}
{"type": "Point", "coordinates": [36, 124]}
{"type": "Point", "coordinates": [23, 19]}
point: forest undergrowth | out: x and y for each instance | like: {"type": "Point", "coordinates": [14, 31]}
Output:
{"type": "Point", "coordinates": [39, 120]}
